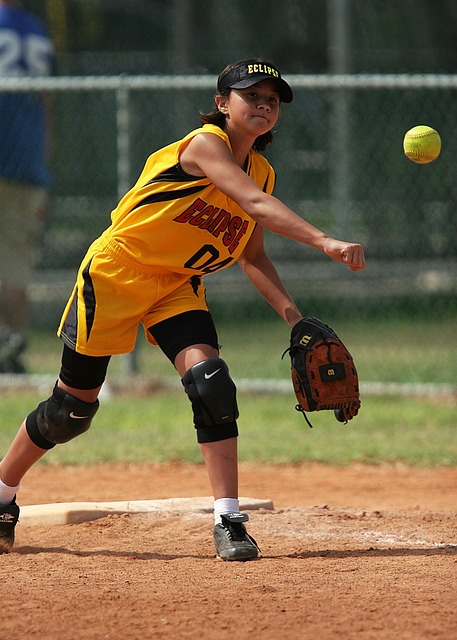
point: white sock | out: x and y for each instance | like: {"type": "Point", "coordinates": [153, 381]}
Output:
{"type": "Point", "coordinates": [7, 493]}
{"type": "Point", "coordinates": [225, 505]}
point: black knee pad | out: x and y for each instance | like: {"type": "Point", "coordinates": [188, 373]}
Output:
{"type": "Point", "coordinates": [212, 393]}
{"type": "Point", "coordinates": [59, 419]}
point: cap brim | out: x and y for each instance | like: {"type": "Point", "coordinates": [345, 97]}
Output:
{"type": "Point", "coordinates": [285, 92]}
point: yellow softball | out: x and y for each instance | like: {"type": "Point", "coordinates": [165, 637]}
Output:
{"type": "Point", "coordinates": [422, 144]}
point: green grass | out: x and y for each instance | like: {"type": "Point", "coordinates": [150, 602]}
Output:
{"type": "Point", "coordinates": [393, 350]}
{"type": "Point", "coordinates": [158, 428]}
{"type": "Point", "coordinates": [414, 431]}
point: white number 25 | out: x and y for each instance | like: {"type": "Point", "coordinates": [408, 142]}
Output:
{"type": "Point", "coordinates": [34, 49]}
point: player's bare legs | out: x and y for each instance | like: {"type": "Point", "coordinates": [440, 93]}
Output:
{"type": "Point", "coordinates": [231, 539]}
{"type": "Point", "coordinates": [192, 355]}
{"type": "Point", "coordinates": [221, 457]}
{"type": "Point", "coordinates": [23, 453]}
{"type": "Point", "coordinates": [20, 457]}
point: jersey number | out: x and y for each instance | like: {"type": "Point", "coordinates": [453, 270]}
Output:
{"type": "Point", "coordinates": [205, 260]}
{"type": "Point", "coordinates": [32, 50]}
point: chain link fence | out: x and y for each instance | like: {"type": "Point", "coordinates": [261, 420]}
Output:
{"type": "Point", "coordinates": [338, 155]}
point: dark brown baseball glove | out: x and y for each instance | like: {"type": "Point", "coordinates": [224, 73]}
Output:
{"type": "Point", "coordinates": [323, 371]}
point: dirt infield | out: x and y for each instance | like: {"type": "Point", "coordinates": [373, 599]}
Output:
{"type": "Point", "coordinates": [355, 552]}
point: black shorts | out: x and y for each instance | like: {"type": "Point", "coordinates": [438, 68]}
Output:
{"type": "Point", "coordinates": [181, 331]}
{"type": "Point", "coordinates": [81, 371]}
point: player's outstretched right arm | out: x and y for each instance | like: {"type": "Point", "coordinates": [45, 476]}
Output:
{"type": "Point", "coordinates": [209, 155]}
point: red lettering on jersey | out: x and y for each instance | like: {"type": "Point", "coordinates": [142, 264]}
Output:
{"type": "Point", "coordinates": [186, 215]}
{"type": "Point", "coordinates": [240, 234]}
{"type": "Point", "coordinates": [213, 211]}
{"type": "Point", "coordinates": [230, 234]}
{"type": "Point", "coordinates": [208, 212]}
{"type": "Point", "coordinates": [215, 221]}
{"type": "Point", "coordinates": [220, 224]}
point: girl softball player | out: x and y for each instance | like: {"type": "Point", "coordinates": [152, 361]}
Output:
{"type": "Point", "coordinates": [199, 205]}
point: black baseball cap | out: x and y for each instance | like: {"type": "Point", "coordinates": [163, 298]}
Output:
{"type": "Point", "coordinates": [245, 73]}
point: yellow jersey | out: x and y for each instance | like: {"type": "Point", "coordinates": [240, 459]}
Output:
{"type": "Point", "coordinates": [183, 223]}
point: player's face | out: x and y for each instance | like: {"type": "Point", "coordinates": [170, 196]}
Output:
{"type": "Point", "coordinates": [256, 107]}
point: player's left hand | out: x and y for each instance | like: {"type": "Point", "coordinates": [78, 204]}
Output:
{"type": "Point", "coordinates": [349, 253]}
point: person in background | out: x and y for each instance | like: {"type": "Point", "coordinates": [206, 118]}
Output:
{"type": "Point", "coordinates": [26, 50]}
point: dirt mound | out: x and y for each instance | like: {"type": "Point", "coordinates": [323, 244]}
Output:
{"type": "Point", "coordinates": [354, 552]}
